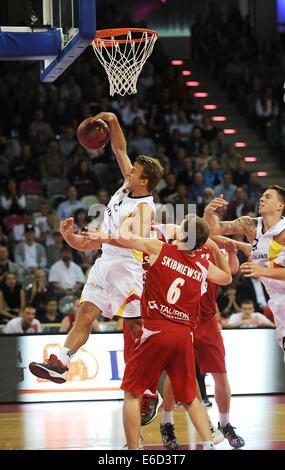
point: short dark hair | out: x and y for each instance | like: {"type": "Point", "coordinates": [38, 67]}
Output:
{"type": "Point", "coordinates": [279, 190]}
{"type": "Point", "coordinates": [202, 230]}
{"type": "Point", "coordinates": [247, 301]}
{"type": "Point", "coordinates": [152, 170]}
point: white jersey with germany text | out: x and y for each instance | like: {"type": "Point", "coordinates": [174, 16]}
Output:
{"type": "Point", "coordinates": [267, 252]}
{"type": "Point", "coordinates": [120, 207]}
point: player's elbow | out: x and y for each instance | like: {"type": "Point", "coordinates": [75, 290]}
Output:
{"type": "Point", "coordinates": [225, 279]}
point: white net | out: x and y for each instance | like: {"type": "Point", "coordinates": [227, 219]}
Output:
{"type": "Point", "coordinates": [124, 60]}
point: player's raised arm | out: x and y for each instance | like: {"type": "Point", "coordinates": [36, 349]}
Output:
{"type": "Point", "coordinates": [118, 142]}
{"type": "Point", "coordinates": [245, 224]}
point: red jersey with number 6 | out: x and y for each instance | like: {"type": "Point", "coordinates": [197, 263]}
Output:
{"type": "Point", "coordinates": [173, 288]}
{"type": "Point", "coordinates": [208, 300]}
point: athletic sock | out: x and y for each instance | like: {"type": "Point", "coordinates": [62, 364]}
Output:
{"type": "Point", "coordinates": [167, 417]}
{"type": "Point", "coordinates": [208, 445]}
{"type": "Point", "coordinates": [224, 419]}
{"type": "Point", "coordinates": [150, 394]}
{"type": "Point", "coordinates": [65, 356]}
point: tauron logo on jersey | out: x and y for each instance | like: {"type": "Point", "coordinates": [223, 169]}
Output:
{"type": "Point", "coordinates": [173, 313]}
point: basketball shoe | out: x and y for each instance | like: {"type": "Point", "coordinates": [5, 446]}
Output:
{"type": "Point", "coordinates": [234, 439]}
{"type": "Point", "coordinates": [140, 444]}
{"type": "Point", "coordinates": [149, 408]}
{"type": "Point", "coordinates": [169, 439]}
{"type": "Point", "coordinates": [52, 370]}
{"type": "Point", "coordinates": [217, 435]}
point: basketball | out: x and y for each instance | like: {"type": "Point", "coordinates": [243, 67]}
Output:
{"type": "Point", "coordinates": [93, 134]}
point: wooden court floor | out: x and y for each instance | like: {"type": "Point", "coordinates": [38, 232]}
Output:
{"type": "Point", "coordinates": [98, 425]}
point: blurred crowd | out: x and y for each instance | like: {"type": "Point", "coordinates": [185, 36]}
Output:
{"type": "Point", "coordinates": [45, 175]}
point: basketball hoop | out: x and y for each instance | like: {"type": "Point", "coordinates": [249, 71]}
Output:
{"type": "Point", "coordinates": [123, 53]}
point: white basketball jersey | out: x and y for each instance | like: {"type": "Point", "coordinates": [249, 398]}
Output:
{"type": "Point", "coordinates": [120, 207]}
{"type": "Point", "coordinates": [269, 253]}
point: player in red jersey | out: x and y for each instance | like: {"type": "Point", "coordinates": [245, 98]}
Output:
{"type": "Point", "coordinates": [209, 354]}
{"type": "Point", "coordinates": [169, 316]}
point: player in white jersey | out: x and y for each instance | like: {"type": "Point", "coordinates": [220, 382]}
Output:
{"type": "Point", "coordinates": [267, 237]}
{"type": "Point", "coordinates": [114, 284]}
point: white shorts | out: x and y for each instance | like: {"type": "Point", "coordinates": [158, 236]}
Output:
{"type": "Point", "coordinates": [114, 286]}
{"type": "Point", "coordinates": [276, 304]}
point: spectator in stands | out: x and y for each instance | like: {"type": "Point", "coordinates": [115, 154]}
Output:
{"type": "Point", "coordinates": [227, 188]}
{"type": "Point", "coordinates": [167, 194]}
{"type": "Point", "coordinates": [219, 145]}
{"type": "Point", "coordinates": [183, 125]}
{"type": "Point", "coordinates": [68, 320]}
{"type": "Point", "coordinates": [252, 288]}
{"type": "Point", "coordinates": [30, 255]}
{"type": "Point", "coordinates": [53, 251]}
{"type": "Point", "coordinates": [18, 233]}
{"type": "Point", "coordinates": [40, 125]}
{"type": "Point", "coordinates": [209, 132]}
{"type": "Point", "coordinates": [50, 313]}
{"type": "Point", "coordinates": [230, 158]}
{"type": "Point", "coordinates": [213, 175]}
{"type": "Point", "coordinates": [266, 109]}
{"type": "Point", "coordinates": [276, 137]}
{"type": "Point", "coordinates": [25, 166]}
{"type": "Point", "coordinates": [248, 318]}
{"type": "Point", "coordinates": [254, 189]}
{"type": "Point", "coordinates": [197, 188]}
{"type": "Point", "coordinates": [25, 323]}
{"type": "Point", "coordinates": [12, 201]}
{"type": "Point", "coordinates": [131, 110]}
{"type": "Point", "coordinates": [68, 142]}
{"type": "Point", "coordinates": [65, 276]}
{"type": "Point", "coordinates": [38, 293]}
{"type": "Point", "coordinates": [84, 179]}
{"type": "Point", "coordinates": [139, 144]}
{"type": "Point", "coordinates": [208, 195]}
{"type": "Point", "coordinates": [227, 301]}
{"type": "Point", "coordinates": [53, 165]}
{"type": "Point", "coordinates": [68, 207]}
{"type": "Point", "coordinates": [80, 220]}
{"type": "Point", "coordinates": [46, 220]}
{"type": "Point", "coordinates": [239, 206]}
{"type": "Point", "coordinates": [186, 175]}
{"type": "Point", "coordinates": [7, 266]}
{"type": "Point", "coordinates": [3, 238]}
{"type": "Point", "coordinates": [240, 175]}
{"type": "Point", "coordinates": [160, 153]}
{"type": "Point", "coordinates": [103, 197]}
{"type": "Point", "coordinates": [12, 297]}
{"type": "Point", "coordinates": [202, 161]}
{"type": "Point", "coordinates": [195, 141]}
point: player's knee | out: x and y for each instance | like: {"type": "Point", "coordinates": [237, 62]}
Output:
{"type": "Point", "coordinates": [86, 315]}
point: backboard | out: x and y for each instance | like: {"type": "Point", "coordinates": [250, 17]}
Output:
{"type": "Point", "coordinates": [59, 31]}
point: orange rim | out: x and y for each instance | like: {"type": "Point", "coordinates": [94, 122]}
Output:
{"type": "Point", "coordinates": [105, 35]}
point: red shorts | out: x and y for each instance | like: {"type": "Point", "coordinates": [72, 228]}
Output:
{"type": "Point", "coordinates": [168, 349]}
{"type": "Point", "coordinates": [209, 347]}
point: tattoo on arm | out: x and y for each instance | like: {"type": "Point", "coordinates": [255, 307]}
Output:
{"type": "Point", "coordinates": [241, 225]}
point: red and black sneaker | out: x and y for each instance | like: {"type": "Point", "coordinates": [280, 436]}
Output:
{"type": "Point", "coordinates": [52, 370]}
{"type": "Point", "coordinates": [234, 439]}
{"type": "Point", "coordinates": [149, 408]}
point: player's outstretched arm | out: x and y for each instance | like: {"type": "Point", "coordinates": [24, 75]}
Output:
{"type": "Point", "coordinates": [78, 242]}
{"type": "Point", "coordinates": [118, 142]}
{"type": "Point", "coordinates": [250, 269]}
